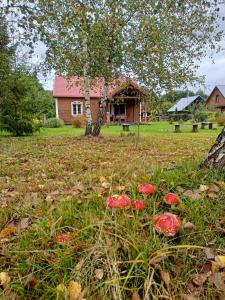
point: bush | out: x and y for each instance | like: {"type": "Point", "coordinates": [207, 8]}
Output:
{"type": "Point", "coordinates": [79, 122]}
{"type": "Point", "coordinates": [221, 119]}
{"type": "Point", "coordinates": [53, 123]}
{"type": "Point", "coordinates": [201, 115]}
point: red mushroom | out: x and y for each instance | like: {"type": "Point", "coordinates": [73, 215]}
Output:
{"type": "Point", "coordinates": [167, 223]}
{"type": "Point", "coordinates": [118, 201]}
{"type": "Point", "coordinates": [171, 199]}
{"type": "Point", "coordinates": [63, 238]}
{"type": "Point", "coordinates": [138, 205]}
{"type": "Point", "coordinates": [146, 188]}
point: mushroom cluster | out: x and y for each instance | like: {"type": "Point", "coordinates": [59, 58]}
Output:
{"type": "Point", "coordinates": [166, 223]}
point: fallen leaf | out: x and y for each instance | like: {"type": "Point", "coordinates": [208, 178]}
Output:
{"type": "Point", "coordinates": [214, 188]}
{"type": "Point", "coordinates": [217, 280]}
{"type": "Point", "coordinates": [199, 279]}
{"type": "Point", "coordinates": [105, 185]}
{"type": "Point", "coordinates": [212, 195]}
{"type": "Point", "coordinates": [23, 224]}
{"type": "Point", "coordinates": [215, 267]}
{"type": "Point", "coordinates": [203, 188]}
{"type": "Point", "coordinates": [136, 296]}
{"type": "Point", "coordinates": [99, 273]}
{"type": "Point", "coordinates": [220, 260]}
{"type": "Point", "coordinates": [189, 225]}
{"type": "Point", "coordinates": [74, 290]}
{"type": "Point", "coordinates": [4, 280]}
{"type": "Point", "coordinates": [180, 189]}
{"type": "Point", "coordinates": [210, 254]}
{"type": "Point", "coordinates": [188, 297]}
{"type": "Point", "coordinates": [166, 278]}
{"type": "Point", "coordinates": [194, 195]}
{"type": "Point", "coordinates": [5, 232]}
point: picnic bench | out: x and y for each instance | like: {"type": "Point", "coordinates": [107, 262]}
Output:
{"type": "Point", "coordinates": [210, 125]}
{"type": "Point", "coordinates": [194, 127]}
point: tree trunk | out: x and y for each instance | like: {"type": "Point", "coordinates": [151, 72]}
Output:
{"type": "Point", "coordinates": [87, 102]}
{"type": "Point", "coordinates": [101, 112]}
{"type": "Point", "coordinates": [216, 155]}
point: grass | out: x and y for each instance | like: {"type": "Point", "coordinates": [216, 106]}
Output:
{"type": "Point", "coordinates": [61, 183]}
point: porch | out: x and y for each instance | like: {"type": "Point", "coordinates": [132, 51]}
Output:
{"type": "Point", "coordinates": [126, 111]}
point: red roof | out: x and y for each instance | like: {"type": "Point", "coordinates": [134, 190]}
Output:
{"type": "Point", "coordinates": [73, 87]}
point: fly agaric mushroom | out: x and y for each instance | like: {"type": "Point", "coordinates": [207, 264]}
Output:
{"type": "Point", "coordinates": [146, 188]}
{"type": "Point", "coordinates": [171, 199]}
{"type": "Point", "coordinates": [167, 223]}
{"type": "Point", "coordinates": [138, 205]}
{"type": "Point", "coordinates": [118, 201]}
{"type": "Point", "coordinates": [63, 238]}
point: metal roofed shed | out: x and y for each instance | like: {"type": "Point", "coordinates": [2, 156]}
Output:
{"type": "Point", "coordinates": [184, 103]}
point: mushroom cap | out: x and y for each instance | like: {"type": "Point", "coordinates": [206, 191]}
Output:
{"type": "Point", "coordinates": [146, 188]}
{"type": "Point", "coordinates": [63, 238]}
{"type": "Point", "coordinates": [167, 223]}
{"type": "Point", "coordinates": [118, 201]}
{"type": "Point", "coordinates": [171, 198]}
{"type": "Point", "coordinates": [138, 205]}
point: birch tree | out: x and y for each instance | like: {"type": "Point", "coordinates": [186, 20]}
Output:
{"type": "Point", "coordinates": [64, 27]}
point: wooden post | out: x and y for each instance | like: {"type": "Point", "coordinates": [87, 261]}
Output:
{"type": "Point", "coordinates": [126, 127]}
{"type": "Point", "coordinates": [203, 125]}
{"type": "Point", "coordinates": [210, 125]}
{"type": "Point", "coordinates": [195, 128]}
{"type": "Point", "coordinates": [177, 128]}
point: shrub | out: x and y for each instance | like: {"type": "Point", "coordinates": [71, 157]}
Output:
{"type": "Point", "coordinates": [53, 123]}
{"type": "Point", "coordinates": [79, 122]}
{"type": "Point", "coordinates": [221, 119]}
{"type": "Point", "coordinates": [201, 115]}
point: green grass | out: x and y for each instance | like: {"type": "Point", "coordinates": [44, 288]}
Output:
{"type": "Point", "coordinates": [56, 179]}
{"type": "Point", "coordinates": [155, 127]}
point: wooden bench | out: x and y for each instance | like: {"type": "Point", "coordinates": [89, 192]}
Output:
{"type": "Point", "coordinates": [210, 125]}
{"type": "Point", "coordinates": [194, 127]}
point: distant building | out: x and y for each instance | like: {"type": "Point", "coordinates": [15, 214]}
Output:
{"type": "Point", "coordinates": [186, 103]}
{"type": "Point", "coordinates": [217, 98]}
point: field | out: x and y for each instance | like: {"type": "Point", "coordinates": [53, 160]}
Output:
{"type": "Point", "coordinates": [55, 227]}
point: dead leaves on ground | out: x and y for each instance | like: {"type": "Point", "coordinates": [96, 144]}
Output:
{"type": "Point", "coordinates": [210, 191]}
{"type": "Point", "coordinates": [14, 226]}
{"type": "Point", "coordinates": [72, 292]}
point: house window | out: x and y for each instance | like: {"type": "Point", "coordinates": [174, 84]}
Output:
{"type": "Point", "coordinates": [217, 98]}
{"type": "Point", "coordinates": [77, 108]}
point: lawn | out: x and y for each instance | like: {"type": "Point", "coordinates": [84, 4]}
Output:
{"type": "Point", "coordinates": [57, 183]}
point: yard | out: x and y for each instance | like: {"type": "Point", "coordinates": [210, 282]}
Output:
{"type": "Point", "coordinates": [55, 227]}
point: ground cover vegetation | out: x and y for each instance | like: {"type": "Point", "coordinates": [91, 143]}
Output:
{"type": "Point", "coordinates": [59, 237]}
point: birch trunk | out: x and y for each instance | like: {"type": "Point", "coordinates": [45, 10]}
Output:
{"type": "Point", "coordinates": [216, 155]}
{"type": "Point", "coordinates": [101, 112]}
{"type": "Point", "coordinates": [87, 102]}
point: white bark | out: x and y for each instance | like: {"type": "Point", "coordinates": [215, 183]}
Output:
{"type": "Point", "coordinates": [56, 108]}
{"type": "Point", "coordinates": [87, 102]}
{"type": "Point", "coordinates": [216, 155]}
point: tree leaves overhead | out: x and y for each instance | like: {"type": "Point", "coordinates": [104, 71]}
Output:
{"type": "Point", "coordinates": [158, 43]}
